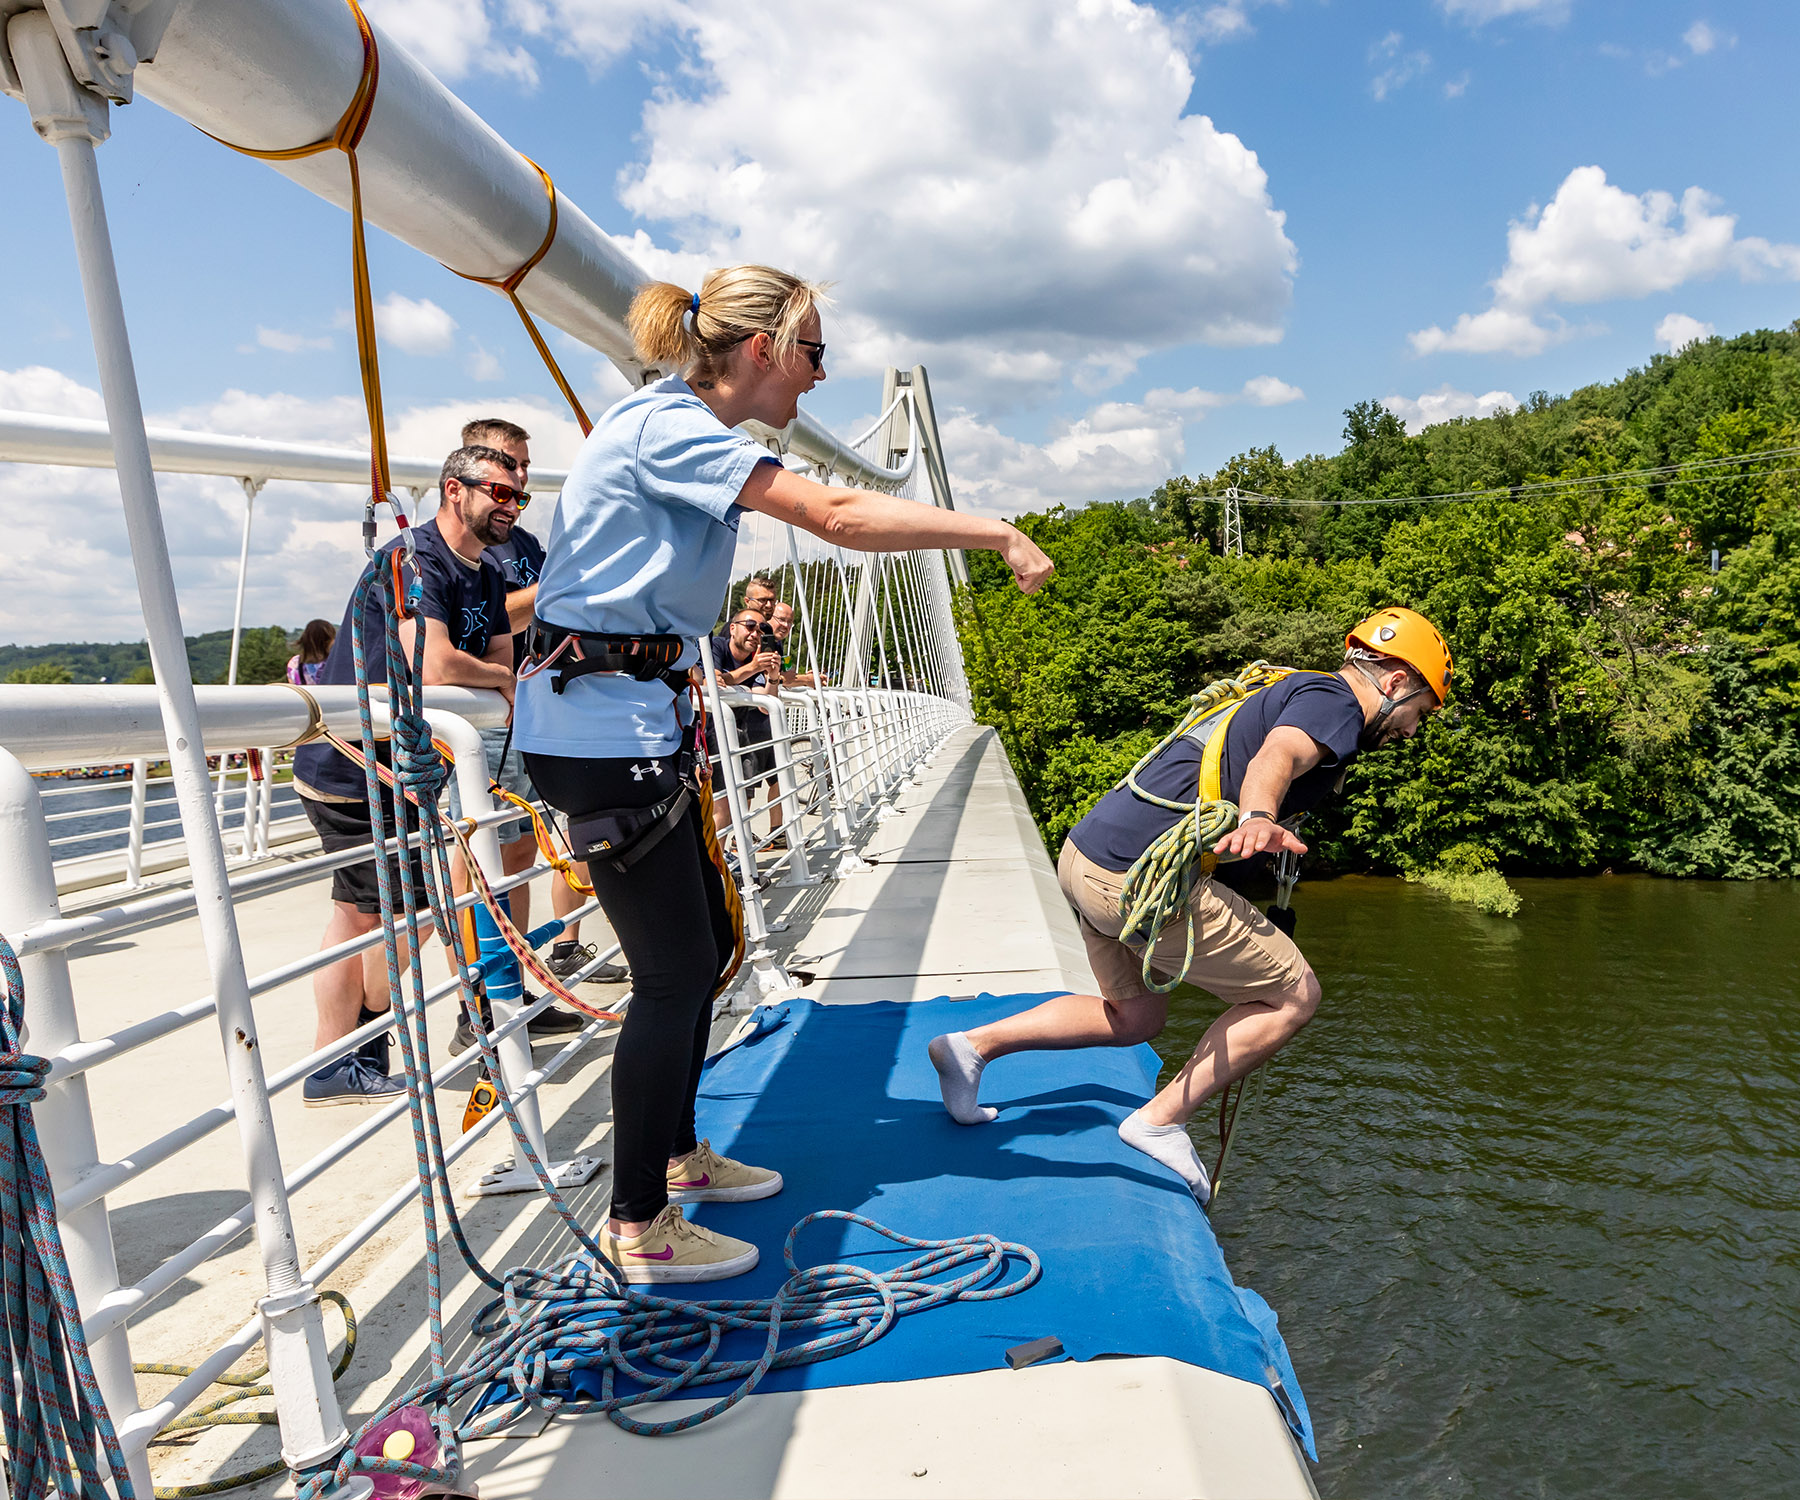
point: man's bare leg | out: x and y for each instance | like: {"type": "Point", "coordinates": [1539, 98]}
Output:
{"type": "Point", "coordinates": [338, 989]}
{"type": "Point", "coordinates": [1242, 1039]}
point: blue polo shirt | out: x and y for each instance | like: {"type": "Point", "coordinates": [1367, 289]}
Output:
{"type": "Point", "coordinates": [1122, 826]}
{"type": "Point", "coordinates": [641, 545]}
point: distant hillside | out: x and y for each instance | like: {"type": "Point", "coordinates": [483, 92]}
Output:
{"type": "Point", "coordinates": [262, 659]}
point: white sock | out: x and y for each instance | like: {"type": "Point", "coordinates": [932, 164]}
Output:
{"type": "Point", "coordinates": [959, 1068]}
{"type": "Point", "coordinates": [1170, 1145]}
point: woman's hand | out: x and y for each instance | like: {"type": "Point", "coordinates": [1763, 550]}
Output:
{"type": "Point", "coordinates": [1030, 566]}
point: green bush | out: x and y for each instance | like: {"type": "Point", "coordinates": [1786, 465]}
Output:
{"type": "Point", "coordinates": [1465, 872]}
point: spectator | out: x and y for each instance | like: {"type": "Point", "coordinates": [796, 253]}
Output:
{"type": "Point", "coordinates": [741, 662]}
{"type": "Point", "coordinates": [463, 609]}
{"type": "Point", "coordinates": [520, 558]}
{"type": "Point", "coordinates": [782, 623]}
{"type": "Point", "coordinates": [315, 645]}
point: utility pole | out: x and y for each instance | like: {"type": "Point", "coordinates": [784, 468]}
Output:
{"type": "Point", "coordinates": [1233, 541]}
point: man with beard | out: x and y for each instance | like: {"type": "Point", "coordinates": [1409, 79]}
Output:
{"type": "Point", "coordinates": [462, 609]}
{"type": "Point", "coordinates": [1274, 755]}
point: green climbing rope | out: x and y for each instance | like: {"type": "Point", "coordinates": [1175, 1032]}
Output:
{"type": "Point", "coordinates": [249, 1387]}
{"type": "Point", "coordinates": [1159, 885]}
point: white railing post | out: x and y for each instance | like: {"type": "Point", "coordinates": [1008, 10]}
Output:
{"type": "Point", "coordinates": [839, 820]}
{"type": "Point", "coordinates": [787, 795]}
{"type": "Point", "coordinates": [770, 977]}
{"type": "Point", "coordinates": [134, 839]}
{"type": "Point", "coordinates": [74, 120]}
{"type": "Point", "coordinates": [65, 1121]}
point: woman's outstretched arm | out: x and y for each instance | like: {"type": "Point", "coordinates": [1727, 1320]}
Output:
{"type": "Point", "coordinates": [868, 522]}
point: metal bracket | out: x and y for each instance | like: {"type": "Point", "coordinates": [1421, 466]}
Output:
{"type": "Point", "coordinates": [312, 1428]}
{"type": "Point", "coordinates": [512, 1177]}
{"type": "Point", "coordinates": [103, 40]}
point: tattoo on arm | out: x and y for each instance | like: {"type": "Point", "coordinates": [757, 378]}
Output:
{"type": "Point", "coordinates": [800, 509]}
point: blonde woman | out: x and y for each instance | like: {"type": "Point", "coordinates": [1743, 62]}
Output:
{"type": "Point", "coordinates": [642, 546]}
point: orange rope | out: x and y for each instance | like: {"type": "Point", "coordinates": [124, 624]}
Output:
{"type": "Point", "coordinates": [346, 136]}
{"type": "Point", "coordinates": [510, 285]}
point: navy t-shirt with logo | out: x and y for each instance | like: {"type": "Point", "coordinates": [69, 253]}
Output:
{"type": "Point", "coordinates": [520, 559]}
{"type": "Point", "coordinates": [1122, 826]}
{"type": "Point", "coordinates": [470, 600]}
{"type": "Point", "coordinates": [752, 723]}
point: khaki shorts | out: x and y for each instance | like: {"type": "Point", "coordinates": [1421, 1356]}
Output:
{"type": "Point", "coordinates": [1239, 954]}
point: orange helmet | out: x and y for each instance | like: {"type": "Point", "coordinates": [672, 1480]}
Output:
{"type": "Point", "coordinates": [1408, 637]}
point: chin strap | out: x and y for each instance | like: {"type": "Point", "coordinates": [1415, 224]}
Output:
{"type": "Point", "coordinates": [1371, 735]}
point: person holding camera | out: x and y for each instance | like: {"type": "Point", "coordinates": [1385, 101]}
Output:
{"type": "Point", "coordinates": [639, 558]}
{"type": "Point", "coordinates": [747, 656]}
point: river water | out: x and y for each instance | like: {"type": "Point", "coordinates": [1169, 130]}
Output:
{"type": "Point", "coordinates": [93, 816]}
{"type": "Point", "coordinates": [1526, 1194]}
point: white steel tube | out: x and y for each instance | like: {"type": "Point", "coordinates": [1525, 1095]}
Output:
{"type": "Point", "coordinates": [65, 1121]}
{"type": "Point", "coordinates": [312, 1426]}
{"type": "Point", "coordinates": [83, 443]}
{"type": "Point", "coordinates": [279, 73]}
{"type": "Point", "coordinates": [251, 486]}
{"type": "Point", "coordinates": [134, 843]}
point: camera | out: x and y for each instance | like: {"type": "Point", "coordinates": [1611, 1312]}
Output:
{"type": "Point", "coordinates": [770, 641]}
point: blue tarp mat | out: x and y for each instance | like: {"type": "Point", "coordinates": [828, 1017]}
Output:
{"type": "Point", "coordinates": [842, 1100]}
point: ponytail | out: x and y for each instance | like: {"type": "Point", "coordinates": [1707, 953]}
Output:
{"type": "Point", "coordinates": [735, 302]}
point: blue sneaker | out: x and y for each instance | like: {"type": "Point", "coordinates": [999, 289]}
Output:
{"type": "Point", "coordinates": [350, 1080]}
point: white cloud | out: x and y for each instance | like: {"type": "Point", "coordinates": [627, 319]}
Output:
{"type": "Point", "coordinates": [452, 37]}
{"type": "Point", "coordinates": [1678, 330]}
{"type": "Point", "coordinates": [38, 388]}
{"type": "Point", "coordinates": [1456, 87]}
{"type": "Point", "coordinates": [1702, 39]}
{"type": "Point", "coordinates": [1444, 404]}
{"type": "Point", "coordinates": [1118, 450]}
{"type": "Point", "coordinates": [1480, 12]}
{"type": "Point", "coordinates": [1595, 242]}
{"type": "Point", "coordinates": [283, 342]}
{"type": "Point", "coordinates": [483, 366]}
{"type": "Point", "coordinates": [1228, 21]}
{"type": "Point", "coordinates": [1266, 390]}
{"type": "Point", "coordinates": [69, 575]}
{"type": "Point", "coordinates": [1402, 67]}
{"type": "Point", "coordinates": [972, 216]}
{"type": "Point", "coordinates": [420, 327]}
{"type": "Point", "coordinates": [1193, 403]}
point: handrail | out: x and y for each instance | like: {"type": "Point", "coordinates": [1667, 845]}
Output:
{"type": "Point", "coordinates": [85, 443]}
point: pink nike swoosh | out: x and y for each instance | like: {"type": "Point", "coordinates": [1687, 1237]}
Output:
{"type": "Point", "coordinates": [666, 1253]}
{"type": "Point", "coordinates": [705, 1180]}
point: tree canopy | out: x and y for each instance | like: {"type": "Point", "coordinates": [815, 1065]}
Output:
{"type": "Point", "coordinates": [1618, 703]}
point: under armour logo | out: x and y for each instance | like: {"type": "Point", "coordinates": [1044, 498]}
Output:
{"type": "Point", "coordinates": [639, 772]}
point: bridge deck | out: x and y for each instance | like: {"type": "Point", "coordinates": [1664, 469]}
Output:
{"type": "Point", "coordinates": [962, 899]}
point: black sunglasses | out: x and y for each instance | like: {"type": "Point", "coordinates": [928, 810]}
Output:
{"type": "Point", "coordinates": [815, 351]}
{"type": "Point", "coordinates": [503, 494]}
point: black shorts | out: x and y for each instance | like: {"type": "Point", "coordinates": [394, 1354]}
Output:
{"type": "Point", "coordinates": [347, 825]}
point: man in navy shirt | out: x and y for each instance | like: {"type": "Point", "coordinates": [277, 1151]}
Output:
{"type": "Point", "coordinates": [1286, 748]}
{"type": "Point", "coordinates": [468, 644]}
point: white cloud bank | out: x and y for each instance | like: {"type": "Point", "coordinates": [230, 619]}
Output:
{"type": "Point", "coordinates": [1678, 330]}
{"type": "Point", "coordinates": [1480, 12]}
{"type": "Point", "coordinates": [68, 576]}
{"type": "Point", "coordinates": [1595, 242]}
{"type": "Point", "coordinates": [1445, 404]}
{"type": "Point", "coordinates": [928, 159]}
{"type": "Point", "coordinates": [420, 327]}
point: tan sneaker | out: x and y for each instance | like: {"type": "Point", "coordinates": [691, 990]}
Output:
{"type": "Point", "coordinates": [707, 1177]}
{"type": "Point", "coordinates": [672, 1249]}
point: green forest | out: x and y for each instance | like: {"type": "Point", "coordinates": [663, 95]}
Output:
{"type": "Point", "coordinates": [1618, 703]}
{"type": "Point", "coordinates": [262, 657]}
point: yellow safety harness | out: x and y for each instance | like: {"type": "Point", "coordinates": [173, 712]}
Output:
{"type": "Point", "coordinates": [1160, 882]}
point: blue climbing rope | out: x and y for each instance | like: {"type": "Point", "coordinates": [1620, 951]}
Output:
{"type": "Point", "coordinates": [56, 1426]}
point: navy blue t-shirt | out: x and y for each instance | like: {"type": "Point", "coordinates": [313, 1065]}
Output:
{"type": "Point", "coordinates": [520, 559]}
{"type": "Point", "coordinates": [752, 723]}
{"type": "Point", "coordinates": [1122, 826]}
{"type": "Point", "coordinates": [470, 601]}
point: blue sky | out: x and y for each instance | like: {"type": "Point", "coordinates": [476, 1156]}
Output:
{"type": "Point", "coordinates": [1433, 202]}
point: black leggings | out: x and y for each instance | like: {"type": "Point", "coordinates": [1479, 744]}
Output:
{"type": "Point", "coordinates": [670, 915]}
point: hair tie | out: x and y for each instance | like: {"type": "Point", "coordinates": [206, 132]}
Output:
{"type": "Point", "coordinates": [694, 305]}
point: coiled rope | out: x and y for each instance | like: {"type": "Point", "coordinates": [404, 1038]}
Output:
{"type": "Point", "coordinates": [54, 1416]}
{"type": "Point", "coordinates": [1160, 883]}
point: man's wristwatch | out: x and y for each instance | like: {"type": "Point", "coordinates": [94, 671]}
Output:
{"type": "Point", "coordinates": [1246, 817]}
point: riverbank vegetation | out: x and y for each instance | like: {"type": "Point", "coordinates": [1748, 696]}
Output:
{"type": "Point", "coordinates": [1618, 702]}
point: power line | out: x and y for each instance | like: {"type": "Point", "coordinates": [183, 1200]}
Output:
{"type": "Point", "coordinates": [1517, 491]}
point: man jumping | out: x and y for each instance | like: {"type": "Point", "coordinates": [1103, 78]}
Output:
{"type": "Point", "coordinates": [1286, 748]}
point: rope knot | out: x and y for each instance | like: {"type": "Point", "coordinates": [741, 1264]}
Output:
{"type": "Point", "coordinates": [21, 1078]}
{"type": "Point", "coordinates": [418, 767]}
